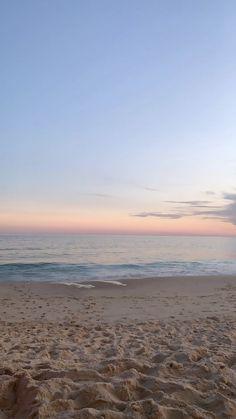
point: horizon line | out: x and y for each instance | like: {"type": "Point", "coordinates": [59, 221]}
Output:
{"type": "Point", "coordinates": [115, 233]}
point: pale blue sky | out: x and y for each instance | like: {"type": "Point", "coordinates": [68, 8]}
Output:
{"type": "Point", "coordinates": [118, 105]}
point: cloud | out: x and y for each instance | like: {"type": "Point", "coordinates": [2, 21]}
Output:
{"type": "Point", "coordinates": [96, 194]}
{"type": "Point", "coordinates": [147, 188]}
{"type": "Point", "coordinates": [140, 186]}
{"type": "Point", "coordinates": [230, 196]}
{"type": "Point", "coordinates": [225, 213]}
{"type": "Point", "coordinates": [191, 203]}
{"type": "Point", "coordinates": [195, 204]}
{"type": "Point", "coordinates": [210, 193]}
{"type": "Point", "coordinates": [173, 216]}
{"type": "Point", "coordinates": [130, 183]}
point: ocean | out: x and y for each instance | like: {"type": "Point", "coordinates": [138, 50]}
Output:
{"type": "Point", "coordinates": [79, 258]}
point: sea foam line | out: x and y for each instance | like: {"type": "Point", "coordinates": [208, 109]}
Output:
{"type": "Point", "coordinates": [76, 284]}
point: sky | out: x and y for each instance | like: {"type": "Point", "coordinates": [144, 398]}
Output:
{"type": "Point", "coordinates": [118, 116]}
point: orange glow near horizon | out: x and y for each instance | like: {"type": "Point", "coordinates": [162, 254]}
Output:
{"type": "Point", "coordinates": [111, 223]}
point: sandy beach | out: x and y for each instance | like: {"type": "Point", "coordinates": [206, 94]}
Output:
{"type": "Point", "coordinates": [155, 348]}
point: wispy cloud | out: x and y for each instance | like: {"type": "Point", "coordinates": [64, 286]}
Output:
{"type": "Point", "coordinates": [145, 214]}
{"type": "Point", "coordinates": [97, 194]}
{"type": "Point", "coordinates": [192, 203]}
{"type": "Point", "coordinates": [210, 193]}
{"type": "Point", "coordinates": [195, 204]}
{"type": "Point", "coordinates": [140, 186]}
{"type": "Point", "coordinates": [131, 184]}
{"type": "Point", "coordinates": [206, 209]}
{"type": "Point", "coordinates": [148, 188]}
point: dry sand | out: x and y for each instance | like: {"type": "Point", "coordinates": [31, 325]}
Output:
{"type": "Point", "coordinates": [159, 348]}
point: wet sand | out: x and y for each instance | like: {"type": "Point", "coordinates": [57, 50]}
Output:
{"type": "Point", "coordinates": [156, 348]}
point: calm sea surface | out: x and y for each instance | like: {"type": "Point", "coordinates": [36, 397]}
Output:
{"type": "Point", "coordinates": [77, 258]}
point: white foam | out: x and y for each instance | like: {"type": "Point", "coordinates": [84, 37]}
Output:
{"type": "Point", "coordinates": [78, 285]}
{"type": "Point", "coordinates": [84, 285]}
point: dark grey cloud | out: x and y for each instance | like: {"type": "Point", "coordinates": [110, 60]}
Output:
{"type": "Point", "coordinates": [226, 213]}
{"type": "Point", "coordinates": [204, 209]}
{"type": "Point", "coordinates": [230, 196]}
{"type": "Point", "coordinates": [172, 216]}
{"type": "Point", "coordinates": [191, 203]}
{"type": "Point", "coordinates": [206, 206]}
{"type": "Point", "coordinates": [195, 204]}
